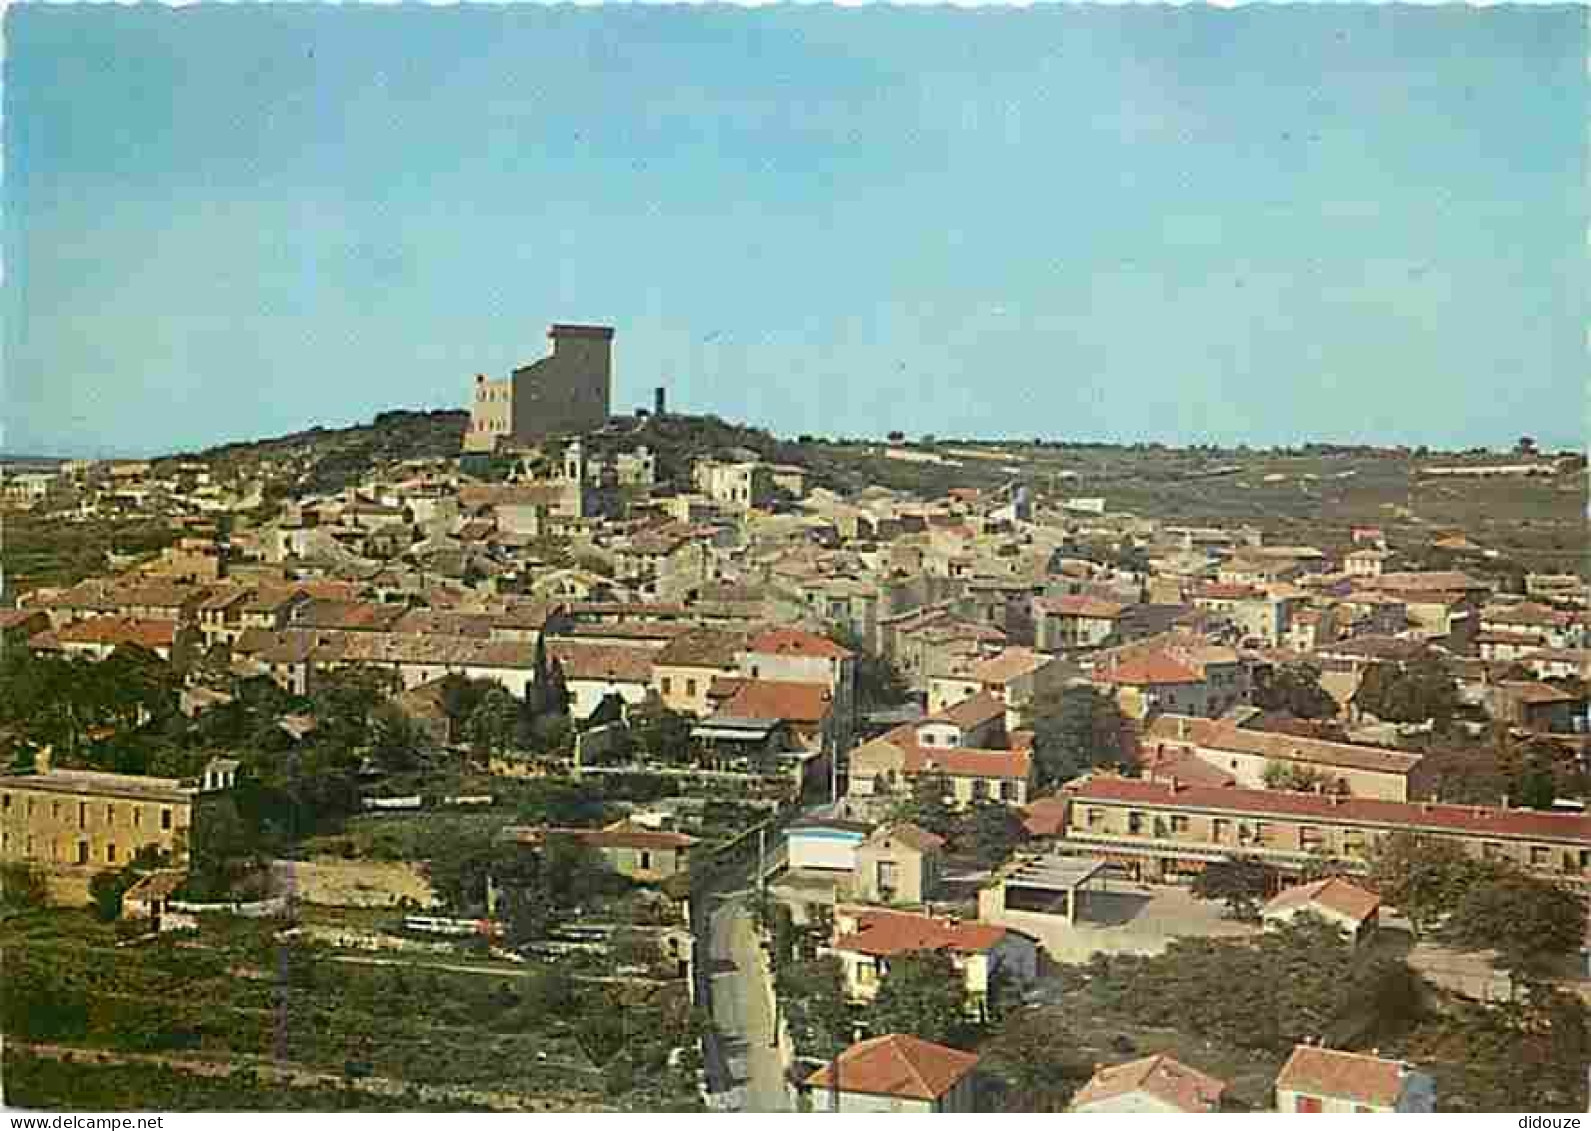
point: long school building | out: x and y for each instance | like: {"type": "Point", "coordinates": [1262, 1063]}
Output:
{"type": "Point", "coordinates": [1166, 830]}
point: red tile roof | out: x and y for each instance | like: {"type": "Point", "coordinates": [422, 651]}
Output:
{"type": "Point", "coordinates": [1076, 605]}
{"type": "Point", "coordinates": [1045, 817]}
{"type": "Point", "coordinates": [807, 703]}
{"type": "Point", "coordinates": [886, 933]}
{"type": "Point", "coordinates": [592, 661]}
{"type": "Point", "coordinates": [1160, 1076]}
{"type": "Point", "coordinates": [1369, 1080]}
{"type": "Point", "coordinates": [113, 631]}
{"type": "Point", "coordinates": [967, 762]}
{"type": "Point", "coordinates": [896, 1065]}
{"type": "Point", "coordinates": [1155, 668]}
{"type": "Point", "coordinates": [794, 642]}
{"type": "Point", "coordinates": [1333, 893]}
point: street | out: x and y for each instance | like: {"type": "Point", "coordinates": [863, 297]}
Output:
{"type": "Point", "coordinates": [747, 1071]}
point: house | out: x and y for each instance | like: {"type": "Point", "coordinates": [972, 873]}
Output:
{"type": "Point", "coordinates": [1076, 621]}
{"type": "Point", "coordinates": [1148, 684]}
{"type": "Point", "coordinates": [866, 939]}
{"type": "Point", "coordinates": [1152, 1085]}
{"type": "Point", "coordinates": [73, 824]}
{"type": "Point", "coordinates": [1016, 676]}
{"type": "Point", "coordinates": [791, 655]}
{"type": "Point", "coordinates": [898, 863]}
{"type": "Point", "coordinates": [1164, 830]}
{"type": "Point", "coordinates": [950, 743]}
{"type": "Point", "coordinates": [1246, 755]}
{"type": "Point", "coordinates": [1530, 705]}
{"type": "Point", "coordinates": [97, 637]}
{"type": "Point", "coordinates": [634, 851]}
{"type": "Point", "coordinates": [1318, 1079]}
{"type": "Point", "coordinates": [1340, 902]}
{"type": "Point", "coordinates": [896, 1073]}
{"type": "Point", "coordinates": [593, 671]}
{"type": "Point", "coordinates": [824, 844]}
{"type": "Point", "coordinates": [685, 668]}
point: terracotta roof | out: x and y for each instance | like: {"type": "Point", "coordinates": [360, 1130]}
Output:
{"type": "Point", "coordinates": [1160, 1076]}
{"type": "Point", "coordinates": [617, 662]}
{"type": "Point", "coordinates": [113, 631]}
{"type": "Point", "coordinates": [703, 648]}
{"type": "Point", "coordinates": [1218, 591]}
{"type": "Point", "coordinates": [1369, 1080]}
{"type": "Point", "coordinates": [1216, 734]}
{"type": "Point", "coordinates": [1076, 605]}
{"type": "Point", "coordinates": [1333, 893]}
{"type": "Point", "coordinates": [1529, 691]}
{"type": "Point", "coordinates": [1476, 820]}
{"type": "Point", "coordinates": [1429, 580]}
{"type": "Point", "coordinates": [1008, 665]}
{"type": "Point", "coordinates": [10, 618]}
{"type": "Point", "coordinates": [967, 762]}
{"type": "Point", "coordinates": [794, 642]}
{"type": "Point", "coordinates": [1046, 816]}
{"type": "Point", "coordinates": [348, 615]}
{"type": "Point", "coordinates": [970, 712]}
{"type": "Point", "coordinates": [801, 703]}
{"type": "Point", "coordinates": [908, 834]}
{"type": "Point", "coordinates": [886, 933]}
{"type": "Point", "coordinates": [1179, 764]}
{"type": "Point", "coordinates": [896, 1065]}
{"type": "Point", "coordinates": [1155, 668]}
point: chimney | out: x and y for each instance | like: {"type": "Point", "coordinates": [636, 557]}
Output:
{"type": "Point", "coordinates": [659, 401]}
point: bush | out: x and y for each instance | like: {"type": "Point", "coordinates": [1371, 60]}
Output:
{"type": "Point", "coordinates": [22, 886]}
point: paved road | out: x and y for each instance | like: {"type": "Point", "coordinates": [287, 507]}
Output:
{"type": "Point", "coordinates": [749, 1070]}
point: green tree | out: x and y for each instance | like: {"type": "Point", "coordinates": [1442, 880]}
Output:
{"type": "Point", "coordinates": [1531, 924]}
{"type": "Point", "coordinates": [927, 805]}
{"type": "Point", "coordinates": [659, 733]}
{"type": "Point", "coordinates": [924, 995]}
{"type": "Point", "coordinates": [1242, 884]}
{"type": "Point", "coordinates": [1034, 1057]}
{"type": "Point", "coordinates": [22, 886]}
{"type": "Point", "coordinates": [105, 891]}
{"type": "Point", "coordinates": [1421, 876]}
{"type": "Point", "coordinates": [1289, 776]}
{"type": "Point", "coordinates": [395, 739]}
{"type": "Point", "coordinates": [1420, 691]}
{"type": "Point", "coordinates": [992, 831]}
{"type": "Point", "coordinates": [811, 995]}
{"type": "Point", "coordinates": [1075, 731]}
{"type": "Point", "coordinates": [1294, 688]}
{"type": "Point", "coordinates": [879, 683]}
{"type": "Point", "coordinates": [492, 724]}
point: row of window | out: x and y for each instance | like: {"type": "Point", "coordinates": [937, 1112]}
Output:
{"type": "Point", "coordinates": [81, 855]}
{"type": "Point", "coordinates": [1353, 842]}
{"type": "Point", "coordinates": [83, 808]}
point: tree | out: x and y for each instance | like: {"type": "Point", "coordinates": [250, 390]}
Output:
{"type": "Point", "coordinates": [221, 849]}
{"type": "Point", "coordinates": [1531, 924]}
{"type": "Point", "coordinates": [105, 891]}
{"type": "Point", "coordinates": [812, 996]}
{"type": "Point", "coordinates": [879, 683]}
{"type": "Point", "coordinates": [1075, 731]}
{"type": "Point", "coordinates": [922, 994]}
{"type": "Point", "coordinates": [1288, 776]}
{"type": "Point", "coordinates": [1422, 877]}
{"type": "Point", "coordinates": [492, 723]}
{"type": "Point", "coordinates": [395, 739]}
{"type": "Point", "coordinates": [1416, 692]}
{"type": "Point", "coordinates": [926, 805]}
{"type": "Point", "coordinates": [22, 886]}
{"type": "Point", "coordinates": [1035, 1058]}
{"type": "Point", "coordinates": [1240, 883]}
{"type": "Point", "coordinates": [993, 832]}
{"type": "Point", "coordinates": [1537, 784]}
{"type": "Point", "coordinates": [1294, 688]}
{"type": "Point", "coordinates": [659, 733]}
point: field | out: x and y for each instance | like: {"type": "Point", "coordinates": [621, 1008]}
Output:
{"type": "Point", "coordinates": [254, 1016]}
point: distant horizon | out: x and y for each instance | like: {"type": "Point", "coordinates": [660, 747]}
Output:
{"type": "Point", "coordinates": [1197, 225]}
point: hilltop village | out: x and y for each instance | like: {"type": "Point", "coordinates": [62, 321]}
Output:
{"type": "Point", "coordinates": [598, 764]}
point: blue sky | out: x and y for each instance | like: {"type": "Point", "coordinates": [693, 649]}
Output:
{"type": "Point", "coordinates": [1187, 224]}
